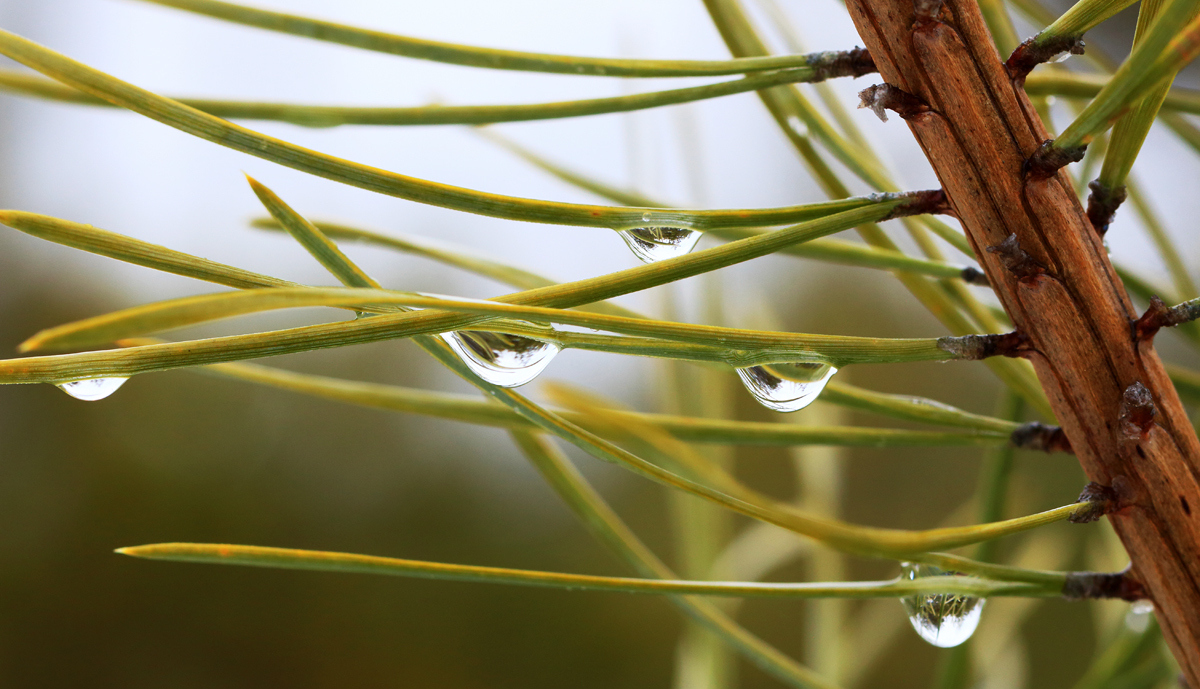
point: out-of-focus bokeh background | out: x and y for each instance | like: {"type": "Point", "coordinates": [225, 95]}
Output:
{"type": "Point", "coordinates": [183, 457]}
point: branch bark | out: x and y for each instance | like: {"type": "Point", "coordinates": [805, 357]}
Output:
{"type": "Point", "coordinates": [1052, 274]}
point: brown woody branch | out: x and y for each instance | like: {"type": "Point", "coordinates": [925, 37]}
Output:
{"type": "Point", "coordinates": [1109, 391]}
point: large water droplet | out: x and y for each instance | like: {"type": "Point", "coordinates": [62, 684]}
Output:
{"type": "Point", "coordinates": [786, 387]}
{"type": "Point", "coordinates": [659, 242]}
{"type": "Point", "coordinates": [942, 619]}
{"type": "Point", "coordinates": [505, 360]}
{"type": "Point", "coordinates": [92, 389]}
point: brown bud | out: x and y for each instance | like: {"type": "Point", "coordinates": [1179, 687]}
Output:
{"type": "Point", "coordinates": [975, 347]}
{"type": "Point", "coordinates": [1017, 260]}
{"type": "Point", "coordinates": [1137, 412]}
{"type": "Point", "coordinates": [927, 11]}
{"type": "Point", "coordinates": [1101, 500]}
{"type": "Point", "coordinates": [1032, 53]}
{"type": "Point", "coordinates": [1038, 436]}
{"type": "Point", "coordinates": [883, 97]}
{"type": "Point", "coordinates": [1089, 585]}
{"type": "Point", "coordinates": [1048, 159]}
{"type": "Point", "coordinates": [1103, 204]}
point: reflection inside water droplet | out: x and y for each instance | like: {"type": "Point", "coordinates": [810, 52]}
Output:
{"type": "Point", "coordinates": [786, 387]}
{"type": "Point", "coordinates": [92, 389]}
{"type": "Point", "coordinates": [505, 360]}
{"type": "Point", "coordinates": [942, 619]}
{"type": "Point", "coordinates": [657, 243]}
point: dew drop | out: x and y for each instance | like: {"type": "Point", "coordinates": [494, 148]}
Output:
{"type": "Point", "coordinates": [942, 619]}
{"type": "Point", "coordinates": [659, 242]}
{"type": "Point", "coordinates": [786, 387]}
{"type": "Point", "coordinates": [1138, 617]}
{"type": "Point", "coordinates": [92, 389]}
{"type": "Point", "coordinates": [505, 360]}
{"type": "Point", "coordinates": [798, 126]}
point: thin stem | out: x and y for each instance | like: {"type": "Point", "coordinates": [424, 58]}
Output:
{"type": "Point", "coordinates": [827, 250]}
{"type": "Point", "coordinates": [1066, 84]}
{"type": "Point", "coordinates": [490, 58]}
{"type": "Point", "coordinates": [324, 561]}
{"type": "Point", "coordinates": [322, 116]}
{"type": "Point", "coordinates": [833, 251]}
{"type": "Point", "coordinates": [177, 313]}
{"type": "Point", "coordinates": [473, 410]}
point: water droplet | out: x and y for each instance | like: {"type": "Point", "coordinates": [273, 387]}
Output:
{"type": "Point", "coordinates": [657, 243]}
{"type": "Point", "coordinates": [942, 619]}
{"type": "Point", "coordinates": [92, 389]}
{"type": "Point", "coordinates": [1138, 617]}
{"type": "Point", "coordinates": [505, 360]}
{"type": "Point", "coordinates": [646, 216]}
{"type": "Point", "coordinates": [786, 387]}
{"type": "Point", "coordinates": [798, 126]}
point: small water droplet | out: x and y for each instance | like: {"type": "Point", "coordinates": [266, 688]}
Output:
{"type": "Point", "coordinates": [1138, 617]}
{"type": "Point", "coordinates": [92, 389]}
{"type": "Point", "coordinates": [786, 387]}
{"type": "Point", "coordinates": [657, 243]}
{"type": "Point", "coordinates": [798, 126]}
{"type": "Point", "coordinates": [942, 619]}
{"type": "Point", "coordinates": [646, 216]}
{"type": "Point", "coordinates": [506, 360]}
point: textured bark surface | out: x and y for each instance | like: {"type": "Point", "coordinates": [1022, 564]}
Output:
{"type": "Point", "coordinates": [1051, 272]}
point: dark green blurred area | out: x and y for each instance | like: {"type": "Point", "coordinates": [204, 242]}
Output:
{"type": "Point", "coordinates": [182, 457]}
